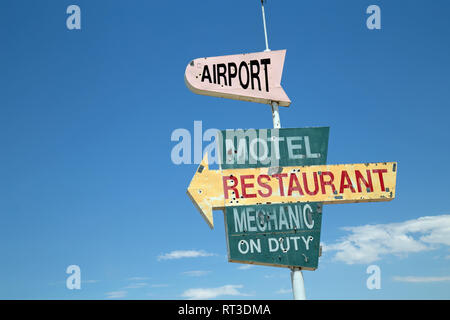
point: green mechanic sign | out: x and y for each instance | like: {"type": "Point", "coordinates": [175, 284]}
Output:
{"type": "Point", "coordinates": [282, 235]}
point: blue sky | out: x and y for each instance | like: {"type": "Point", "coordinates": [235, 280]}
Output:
{"type": "Point", "coordinates": [86, 117]}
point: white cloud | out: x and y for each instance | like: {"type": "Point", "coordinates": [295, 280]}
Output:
{"type": "Point", "coordinates": [116, 294]}
{"type": "Point", "coordinates": [136, 285]}
{"type": "Point", "coordinates": [279, 275]}
{"type": "Point", "coordinates": [90, 281]}
{"type": "Point", "coordinates": [211, 293]}
{"type": "Point", "coordinates": [160, 285]}
{"type": "Point", "coordinates": [196, 273]}
{"type": "Point", "coordinates": [245, 267]}
{"type": "Point", "coordinates": [138, 278]}
{"type": "Point", "coordinates": [284, 291]}
{"type": "Point", "coordinates": [179, 254]}
{"type": "Point", "coordinates": [64, 282]}
{"type": "Point", "coordinates": [366, 244]}
{"type": "Point", "coordinates": [421, 279]}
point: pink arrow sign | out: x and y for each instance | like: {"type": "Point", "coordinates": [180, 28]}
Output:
{"type": "Point", "coordinates": [254, 77]}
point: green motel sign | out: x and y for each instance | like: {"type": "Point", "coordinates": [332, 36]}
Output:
{"type": "Point", "coordinates": [282, 235]}
{"type": "Point", "coordinates": [256, 148]}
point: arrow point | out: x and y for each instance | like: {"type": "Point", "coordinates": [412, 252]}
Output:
{"type": "Point", "coordinates": [197, 191]}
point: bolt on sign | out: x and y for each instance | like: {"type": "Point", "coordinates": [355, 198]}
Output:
{"type": "Point", "coordinates": [252, 77]}
{"type": "Point", "coordinates": [344, 183]}
{"type": "Point", "coordinates": [255, 148]}
{"type": "Point", "coordinates": [281, 235]}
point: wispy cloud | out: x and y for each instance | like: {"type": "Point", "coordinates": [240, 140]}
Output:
{"type": "Point", "coordinates": [245, 267]}
{"type": "Point", "coordinates": [136, 285]}
{"type": "Point", "coordinates": [116, 294]}
{"type": "Point", "coordinates": [211, 293]}
{"type": "Point", "coordinates": [413, 279]}
{"type": "Point", "coordinates": [90, 281]}
{"type": "Point", "coordinates": [159, 285]}
{"type": "Point", "coordinates": [138, 278]}
{"type": "Point", "coordinates": [366, 244]}
{"type": "Point", "coordinates": [196, 273]}
{"type": "Point", "coordinates": [180, 254]}
{"type": "Point", "coordinates": [63, 282]}
{"type": "Point", "coordinates": [279, 275]}
{"type": "Point", "coordinates": [284, 291]}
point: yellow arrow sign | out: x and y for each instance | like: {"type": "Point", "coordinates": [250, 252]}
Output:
{"type": "Point", "coordinates": [344, 183]}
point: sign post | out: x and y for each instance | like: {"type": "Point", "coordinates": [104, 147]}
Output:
{"type": "Point", "coordinates": [272, 183]}
{"type": "Point", "coordinates": [298, 285]}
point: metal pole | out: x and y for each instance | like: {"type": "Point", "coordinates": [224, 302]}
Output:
{"type": "Point", "coordinates": [264, 22]}
{"type": "Point", "coordinates": [276, 116]}
{"type": "Point", "coordinates": [298, 285]}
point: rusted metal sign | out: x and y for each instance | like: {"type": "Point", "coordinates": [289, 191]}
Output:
{"type": "Point", "coordinates": [345, 183]}
{"type": "Point", "coordinates": [255, 148]}
{"type": "Point", "coordinates": [254, 77]}
{"type": "Point", "coordinates": [282, 235]}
